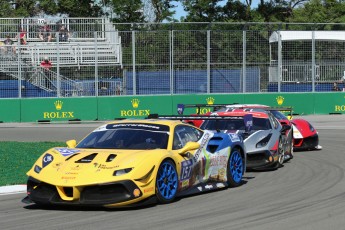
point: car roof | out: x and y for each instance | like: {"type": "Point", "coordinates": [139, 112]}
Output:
{"type": "Point", "coordinates": [247, 106]}
{"type": "Point", "coordinates": [149, 121]}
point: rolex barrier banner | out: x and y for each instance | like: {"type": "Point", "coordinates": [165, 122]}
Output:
{"type": "Point", "coordinates": [59, 109]}
{"type": "Point", "coordinates": [110, 108]}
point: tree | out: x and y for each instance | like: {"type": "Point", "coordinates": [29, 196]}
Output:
{"type": "Point", "coordinates": [162, 9]}
{"type": "Point", "coordinates": [77, 8]}
{"type": "Point", "coordinates": [202, 10]}
{"type": "Point", "coordinates": [319, 11]}
{"type": "Point", "coordinates": [127, 11]}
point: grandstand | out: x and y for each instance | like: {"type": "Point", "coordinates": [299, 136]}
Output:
{"type": "Point", "coordinates": [92, 41]}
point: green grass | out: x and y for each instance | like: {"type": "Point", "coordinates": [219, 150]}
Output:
{"type": "Point", "coordinates": [16, 158]}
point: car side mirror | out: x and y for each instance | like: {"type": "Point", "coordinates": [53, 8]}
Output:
{"type": "Point", "coordinates": [71, 143]}
{"type": "Point", "coordinates": [285, 128]}
{"type": "Point", "coordinates": [190, 146]}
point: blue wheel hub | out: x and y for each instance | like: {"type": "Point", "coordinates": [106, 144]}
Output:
{"type": "Point", "coordinates": [167, 181]}
{"type": "Point", "coordinates": [236, 166]}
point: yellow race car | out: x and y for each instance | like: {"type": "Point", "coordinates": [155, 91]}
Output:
{"type": "Point", "coordinates": [135, 162]}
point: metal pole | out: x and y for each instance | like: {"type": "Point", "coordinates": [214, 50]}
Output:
{"type": "Point", "coordinates": [279, 60]}
{"type": "Point", "coordinates": [96, 64]}
{"type": "Point", "coordinates": [19, 68]}
{"type": "Point", "coordinates": [313, 65]}
{"type": "Point", "coordinates": [244, 63]}
{"type": "Point", "coordinates": [133, 56]}
{"type": "Point", "coordinates": [171, 66]}
{"type": "Point", "coordinates": [58, 80]}
{"type": "Point", "coordinates": [208, 61]}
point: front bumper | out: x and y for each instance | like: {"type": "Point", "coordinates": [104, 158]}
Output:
{"type": "Point", "coordinates": [261, 160]}
{"type": "Point", "coordinates": [91, 195]}
{"type": "Point", "coordinates": [306, 143]}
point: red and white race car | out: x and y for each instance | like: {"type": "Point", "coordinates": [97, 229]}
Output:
{"type": "Point", "coordinates": [305, 136]}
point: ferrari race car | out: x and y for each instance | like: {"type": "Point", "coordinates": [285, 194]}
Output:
{"type": "Point", "coordinates": [136, 162]}
{"type": "Point", "coordinates": [268, 143]}
{"type": "Point", "coordinates": [305, 136]}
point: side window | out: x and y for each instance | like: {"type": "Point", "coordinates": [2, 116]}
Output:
{"type": "Point", "coordinates": [184, 134]}
{"type": "Point", "coordinates": [274, 121]}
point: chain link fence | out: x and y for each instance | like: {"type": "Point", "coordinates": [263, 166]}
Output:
{"type": "Point", "coordinates": [103, 59]}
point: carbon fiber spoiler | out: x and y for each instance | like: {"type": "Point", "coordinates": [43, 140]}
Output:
{"type": "Point", "coordinates": [189, 117]}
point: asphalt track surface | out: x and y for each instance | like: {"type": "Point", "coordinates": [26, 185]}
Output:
{"type": "Point", "coordinates": [307, 193]}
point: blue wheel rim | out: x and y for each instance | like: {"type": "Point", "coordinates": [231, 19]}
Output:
{"type": "Point", "coordinates": [236, 166]}
{"type": "Point", "coordinates": [167, 180]}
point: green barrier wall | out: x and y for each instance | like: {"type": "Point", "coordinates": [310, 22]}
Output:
{"type": "Point", "coordinates": [109, 108]}
{"type": "Point", "coordinates": [326, 103]}
{"type": "Point", "coordinates": [10, 110]}
{"type": "Point", "coordinates": [302, 103]}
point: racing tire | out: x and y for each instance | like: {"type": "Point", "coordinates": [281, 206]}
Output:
{"type": "Point", "coordinates": [235, 168]}
{"type": "Point", "coordinates": [281, 153]}
{"type": "Point", "coordinates": [166, 182]}
{"type": "Point", "coordinates": [290, 155]}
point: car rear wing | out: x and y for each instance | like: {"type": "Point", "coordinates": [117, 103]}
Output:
{"type": "Point", "coordinates": [247, 119]}
{"type": "Point", "coordinates": [189, 117]}
{"type": "Point", "coordinates": [181, 107]}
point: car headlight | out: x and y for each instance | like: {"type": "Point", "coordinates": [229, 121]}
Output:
{"type": "Point", "coordinates": [37, 169]}
{"type": "Point", "coordinates": [311, 127]}
{"type": "Point", "coordinates": [264, 141]}
{"type": "Point", "coordinates": [122, 171]}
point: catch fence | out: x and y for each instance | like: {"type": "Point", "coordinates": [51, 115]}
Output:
{"type": "Point", "coordinates": [105, 59]}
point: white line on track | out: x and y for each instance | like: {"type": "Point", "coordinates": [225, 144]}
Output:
{"type": "Point", "coordinates": [12, 189]}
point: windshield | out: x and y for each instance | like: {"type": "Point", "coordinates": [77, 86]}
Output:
{"type": "Point", "coordinates": [127, 136]}
{"type": "Point", "coordinates": [235, 124]}
{"type": "Point", "coordinates": [279, 115]}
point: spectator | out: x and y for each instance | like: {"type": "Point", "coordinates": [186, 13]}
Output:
{"type": "Point", "coordinates": [335, 87]}
{"type": "Point", "coordinates": [63, 34]}
{"type": "Point", "coordinates": [45, 33]}
{"type": "Point", "coordinates": [47, 65]}
{"type": "Point", "coordinates": [8, 42]}
{"type": "Point", "coordinates": [2, 47]}
{"type": "Point", "coordinates": [22, 36]}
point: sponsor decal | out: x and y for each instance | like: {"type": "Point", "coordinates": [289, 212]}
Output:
{"type": "Point", "coordinates": [185, 183]}
{"type": "Point", "coordinates": [209, 186]}
{"type": "Point", "coordinates": [58, 114]}
{"type": "Point", "coordinates": [203, 142]}
{"type": "Point", "coordinates": [234, 137]}
{"type": "Point", "coordinates": [180, 108]}
{"type": "Point", "coordinates": [66, 151]}
{"type": "Point", "coordinates": [136, 192]}
{"type": "Point", "coordinates": [148, 190]}
{"type": "Point", "coordinates": [248, 121]}
{"type": "Point", "coordinates": [135, 112]}
{"type": "Point", "coordinates": [71, 173]}
{"type": "Point", "coordinates": [200, 188]}
{"type": "Point", "coordinates": [220, 185]}
{"type": "Point", "coordinates": [280, 100]}
{"type": "Point", "coordinates": [68, 177]}
{"type": "Point", "coordinates": [218, 160]}
{"type": "Point", "coordinates": [47, 159]}
{"type": "Point", "coordinates": [186, 169]}
{"type": "Point", "coordinates": [102, 166]}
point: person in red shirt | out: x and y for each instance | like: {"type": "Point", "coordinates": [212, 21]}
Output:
{"type": "Point", "coordinates": [22, 36]}
{"type": "Point", "coordinates": [47, 65]}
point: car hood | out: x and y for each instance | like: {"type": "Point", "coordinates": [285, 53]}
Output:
{"type": "Point", "coordinates": [73, 167]}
